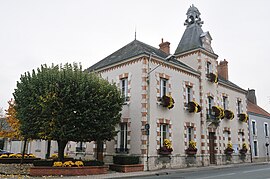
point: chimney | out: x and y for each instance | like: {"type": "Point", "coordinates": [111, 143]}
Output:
{"type": "Point", "coordinates": [222, 69]}
{"type": "Point", "coordinates": [164, 46]}
{"type": "Point", "coordinates": [251, 96]}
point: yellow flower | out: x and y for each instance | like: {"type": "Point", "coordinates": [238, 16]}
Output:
{"type": "Point", "coordinates": [31, 156]}
{"type": "Point", "coordinates": [79, 163]}
{"type": "Point", "coordinates": [244, 146]}
{"type": "Point", "coordinates": [68, 164]}
{"type": "Point", "coordinates": [54, 155]}
{"type": "Point", "coordinates": [4, 156]}
{"type": "Point", "coordinates": [167, 143]}
{"type": "Point", "coordinates": [192, 144]}
{"type": "Point", "coordinates": [229, 145]}
{"type": "Point", "coordinates": [57, 164]}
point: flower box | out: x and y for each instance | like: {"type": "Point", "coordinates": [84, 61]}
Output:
{"type": "Point", "coordinates": [228, 151]}
{"type": "Point", "coordinates": [243, 117]}
{"type": "Point", "coordinates": [167, 101]}
{"type": "Point", "coordinates": [243, 151]}
{"type": "Point", "coordinates": [229, 114]}
{"type": "Point", "coordinates": [212, 77]}
{"type": "Point", "coordinates": [191, 151]}
{"type": "Point", "coordinates": [127, 168]}
{"type": "Point", "coordinates": [68, 171]}
{"type": "Point", "coordinates": [193, 107]}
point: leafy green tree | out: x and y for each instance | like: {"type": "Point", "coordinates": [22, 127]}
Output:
{"type": "Point", "coordinates": [64, 103]}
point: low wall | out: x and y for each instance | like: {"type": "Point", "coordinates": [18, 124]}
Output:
{"type": "Point", "coordinates": [15, 169]}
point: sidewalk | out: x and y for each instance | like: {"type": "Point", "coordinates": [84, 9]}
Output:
{"type": "Point", "coordinates": [165, 171]}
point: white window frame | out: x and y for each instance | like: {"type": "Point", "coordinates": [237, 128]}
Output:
{"type": "Point", "coordinates": [38, 145]}
{"type": "Point", "coordinates": [210, 104]}
{"type": "Point", "coordinates": [122, 136]}
{"type": "Point", "coordinates": [163, 86]}
{"type": "Point", "coordinates": [225, 102]}
{"type": "Point", "coordinates": [239, 106]}
{"type": "Point", "coordinates": [190, 133]}
{"type": "Point", "coordinates": [124, 88]}
{"type": "Point", "coordinates": [226, 137]}
{"type": "Point", "coordinates": [189, 93]}
{"type": "Point", "coordinates": [254, 128]}
{"type": "Point", "coordinates": [266, 130]}
{"type": "Point", "coordinates": [241, 137]}
{"type": "Point", "coordinates": [164, 131]}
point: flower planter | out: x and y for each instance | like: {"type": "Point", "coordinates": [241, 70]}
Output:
{"type": "Point", "coordinates": [243, 151]}
{"type": "Point", "coordinates": [212, 77]}
{"type": "Point", "coordinates": [127, 168]}
{"type": "Point", "coordinates": [68, 171]}
{"type": "Point", "coordinates": [164, 153]}
{"type": "Point", "coordinates": [167, 101]}
{"type": "Point", "coordinates": [229, 114]}
{"type": "Point", "coordinates": [228, 151]}
{"type": "Point", "coordinates": [193, 107]}
{"type": "Point", "coordinates": [191, 151]}
{"type": "Point", "coordinates": [17, 160]}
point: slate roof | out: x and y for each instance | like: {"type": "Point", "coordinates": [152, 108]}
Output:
{"type": "Point", "coordinates": [257, 110]}
{"type": "Point", "coordinates": [133, 49]}
{"type": "Point", "coordinates": [190, 39]}
{"type": "Point", "coordinates": [227, 82]}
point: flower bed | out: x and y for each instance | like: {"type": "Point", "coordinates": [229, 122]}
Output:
{"type": "Point", "coordinates": [68, 171]}
{"type": "Point", "coordinates": [67, 168]}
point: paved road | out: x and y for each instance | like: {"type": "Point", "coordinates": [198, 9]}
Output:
{"type": "Point", "coordinates": [239, 172]}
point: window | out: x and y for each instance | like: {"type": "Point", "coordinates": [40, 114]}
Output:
{"type": "Point", "coordinates": [163, 86]}
{"type": "Point", "coordinates": [239, 106]}
{"type": "Point", "coordinates": [241, 138]}
{"type": "Point", "coordinates": [124, 88]}
{"type": "Point", "coordinates": [225, 102]}
{"type": "Point", "coordinates": [208, 68]}
{"type": "Point", "coordinates": [190, 133]}
{"type": "Point", "coordinates": [189, 94]}
{"type": "Point", "coordinates": [255, 147]}
{"type": "Point", "coordinates": [266, 130]}
{"type": "Point", "coordinates": [210, 104]}
{"type": "Point", "coordinates": [122, 138]}
{"type": "Point", "coordinates": [163, 133]}
{"type": "Point", "coordinates": [80, 147]}
{"type": "Point", "coordinates": [253, 123]}
{"type": "Point", "coordinates": [226, 137]}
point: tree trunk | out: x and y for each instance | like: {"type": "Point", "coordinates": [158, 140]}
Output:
{"type": "Point", "coordinates": [48, 149]}
{"type": "Point", "coordinates": [61, 148]}
{"type": "Point", "coordinates": [24, 147]}
{"type": "Point", "coordinates": [100, 150]}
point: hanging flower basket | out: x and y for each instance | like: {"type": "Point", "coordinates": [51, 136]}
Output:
{"type": "Point", "coordinates": [212, 77]}
{"type": "Point", "coordinates": [167, 101]}
{"type": "Point", "coordinates": [243, 117]}
{"type": "Point", "coordinates": [218, 112]}
{"type": "Point", "coordinates": [229, 114]}
{"type": "Point", "coordinates": [193, 107]}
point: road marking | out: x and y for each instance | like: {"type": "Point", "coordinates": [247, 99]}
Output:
{"type": "Point", "coordinates": [214, 176]}
{"type": "Point", "coordinates": [250, 171]}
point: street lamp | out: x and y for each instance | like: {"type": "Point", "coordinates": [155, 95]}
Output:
{"type": "Point", "coordinates": [147, 125]}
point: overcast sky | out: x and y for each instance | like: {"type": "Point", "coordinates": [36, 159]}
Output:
{"type": "Point", "coordinates": [34, 32]}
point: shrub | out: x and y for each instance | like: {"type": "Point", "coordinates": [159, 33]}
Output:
{"type": "Point", "coordinates": [93, 163]}
{"type": "Point", "coordinates": [126, 159]}
{"type": "Point", "coordinates": [45, 162]}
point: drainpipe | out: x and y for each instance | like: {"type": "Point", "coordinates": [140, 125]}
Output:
{"type": "Point", "coordinates": [147, 126]}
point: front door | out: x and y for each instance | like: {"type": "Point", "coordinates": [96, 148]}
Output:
{"type": "Point", "coordinates": [212, 147]}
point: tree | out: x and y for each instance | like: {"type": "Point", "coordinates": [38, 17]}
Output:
{"type": "Point", "coordinates": [12, 124]}
{"type": "Point", "coordinates": [64, 103]}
